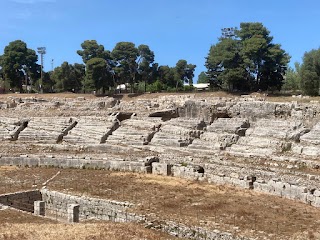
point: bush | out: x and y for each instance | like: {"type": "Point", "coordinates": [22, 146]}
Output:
{"type": "Point", "coordinates": [188, 88]}
{"type": "Point", "coordinates": [171, 89]}
{"type": "Point", "coordinates": [157, 86]}
{"type": "Point", "coordinates": [140, 87]}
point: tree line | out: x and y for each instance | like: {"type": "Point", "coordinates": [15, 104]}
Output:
{"type": "Point", "coordinates": [247, 60]}
{"type": "Point", "coordinates": [102, 70]}
{"type": "Point", "coordinates": [244, 59]}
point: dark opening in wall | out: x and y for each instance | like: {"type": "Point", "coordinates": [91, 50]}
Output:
{"type": "Point", "coordinates": [21, 200]}
{"type": "Point", "coordinates": [165, 115]}
{"type": "Point", "coordinates": [198, 169]}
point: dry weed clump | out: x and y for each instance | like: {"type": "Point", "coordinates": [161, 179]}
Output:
{"type": "Point", "coordinates": [16, 225]}
{"type": "Point", "coordinates": [81, 231]}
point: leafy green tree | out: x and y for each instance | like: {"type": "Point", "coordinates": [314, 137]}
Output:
{"type": "Point", "coordinates": [1, 74]}
{"type": "Point", "coordinates": [145, 63]}
{"type": "Point", "coordinates": [292, 80]}
{"type": "Point", "coordinates": [310, 72]}
{"type": "Point", "coordinates": [247, 61]}
{"type": "Point", "coordinates": [154, 71]}
{"type": "Point", "coordinates": [19, 63]}
{"type": "Point", "coordinates": [203, 78]}
{"type": "Point", "coordinates": [97, 76]}
{"type": "Point", "coordinates": [125, 55]}
{"type": "Point", "coordinates": [166, 75]}
{"type": "Point", "coordinates": [68, 77]}
{"type": "Point", "coordinates": [79, 72]}
{"type": "Point", "coordinates": [225, 65]}
{"type": "Point", "coordinates": [91, 49]}
{"type": "Point", "coordinates": [47, 82]}
{"type": "Point", "coordinates": [3, 85]}
{"type": "Point", "coordinates": [184, 72]}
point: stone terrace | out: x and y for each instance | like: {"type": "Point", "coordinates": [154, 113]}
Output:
{"type": "Point", "coordinates": [267, 137]}
{"type": "Point", "coordinates": [270, 147]}
{"type": "Point", "coordinates": [91, 130]}
{"type": "Point", "coordinates": [46, 129]}
{"type": "Point", "coordinates": [178, 132]}
{"type": "Point", "coordinates": [222, 133]}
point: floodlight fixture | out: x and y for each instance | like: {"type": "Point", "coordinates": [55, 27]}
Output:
{"type": "Point", "coordinates": [41, 51]}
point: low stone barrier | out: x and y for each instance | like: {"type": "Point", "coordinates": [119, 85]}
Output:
{"type": "Point", "coordinates": [113, 165]}
{"type": "Point", "coordinates": [289, 190]}
{"type": "Point", "coordinates": [74, 208]}
{"type": "Point", "coordinates": [277, 187]}
{"type": "Point", "coordinates": [21, 200]}
{"type": "Point", "coordinates": [57, 205]}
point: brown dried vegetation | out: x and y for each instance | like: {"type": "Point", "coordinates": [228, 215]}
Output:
{"type": "Point", "coordinates": [191, 203]}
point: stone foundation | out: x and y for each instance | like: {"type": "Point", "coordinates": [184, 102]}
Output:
{"type": "Point", "coordinates": [21, 200]}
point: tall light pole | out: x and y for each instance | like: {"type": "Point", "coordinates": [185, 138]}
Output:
{"type": "Point", "coordinates": [41, 51]}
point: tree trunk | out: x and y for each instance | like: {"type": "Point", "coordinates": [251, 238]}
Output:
{"type": "Point", "coordinates": [145, 85]}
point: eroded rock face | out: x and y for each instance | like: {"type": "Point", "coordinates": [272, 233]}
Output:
{"type": "Point", "coordinates": [230, 108]}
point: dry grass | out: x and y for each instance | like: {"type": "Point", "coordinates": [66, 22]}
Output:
{"type": "Point", "coordinates": [8, 168]}
{"type": "Point", "coordinates": [13, 179]}
{"type": "Point", "coordinates": [188, 202]}
{"type": "Point", "coordinates": [47, 95]}
{"type": "Point", "coordinates": [15, 225]}
{"type": "Point", "coordinates": [130, 97]}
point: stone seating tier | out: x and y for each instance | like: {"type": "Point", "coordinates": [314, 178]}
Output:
{"type": "Point", "coordinates": [7, 126]}
{"type": "Point", "coordinates": [134, 131]}
{"type": "Point", "coordinates": [45, 129]}
{"type": "Point", "coordinates": [178, 133]}
{"type": "Point", "coordinates": [228, 125]}
{"type": "Point", "coordinates": [222, 133]}
{"type": "Point", "coordinates": [89, 131]}
{"type": "Point", "coordinates": [313, 137]}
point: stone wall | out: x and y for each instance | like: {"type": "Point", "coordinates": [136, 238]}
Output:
{"type": "Point", "coordinates": [275, 186]}
{"type": "Point", "coordinates": [90, 208]}
{"type": "Point", "coordinates": [113, 165]}
{"type": "Point", "coordinates": [57, 204]}
{"type": "Point", "coordinates": [248, 107]}
{"type": "Point", "coordinates": [21, 200]}
{"type": "Point", "coordinates": [289, 190]}
{"type": "Point", "coordinates": [295, 191]}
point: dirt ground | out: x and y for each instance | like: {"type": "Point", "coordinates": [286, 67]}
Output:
{"type": "Point", "coordinates": [129, 97]}
{"type": "Point", "coordinates": [16, 225]}
{"type": "Point", "coordinates": [191, 203]}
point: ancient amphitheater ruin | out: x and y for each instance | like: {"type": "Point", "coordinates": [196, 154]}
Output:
{"type": "Point", "coordinates": [190, 166]}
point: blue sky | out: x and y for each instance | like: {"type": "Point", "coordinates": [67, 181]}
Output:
{"type": "Point", "coordinates": [173, 29]}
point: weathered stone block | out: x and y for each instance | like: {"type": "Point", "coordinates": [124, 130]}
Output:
{"type": "Point", "coordinates": [73, 213]}
{"type": "Point", "coordinates": [39, 208]}
{"type": "Point", "coordinates": [161, 168]}
{"type": "Point", "coordinates": [316, 193]}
